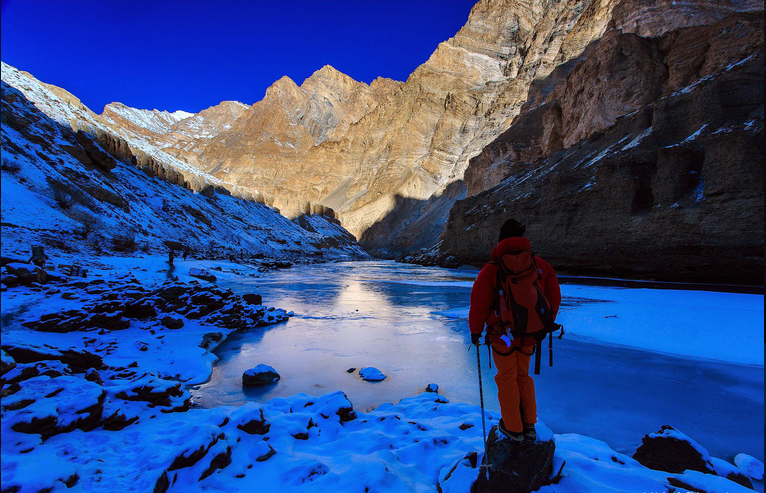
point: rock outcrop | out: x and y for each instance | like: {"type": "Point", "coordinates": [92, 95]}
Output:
{"type": "Point", "coordinates": [625, 132]}
{"type": "Point", "coordinates": [670, 450]}
{"type": "Point", "coordinates": [266, 148]}
{"type": "Point", "coordinates": [514, 467]}
{"type": "Point", "coordinates": [645, 160]}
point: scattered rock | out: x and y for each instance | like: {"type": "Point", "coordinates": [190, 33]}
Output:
{"type": "Point", "coordinates": [371, 374]}
{"type": "Point", "coordinates": [69, 403]}
{"type": "Point", "coordinates": [268, 455]}
{"type": "Point", "coordinates": [209, 338]}
{"type": "Point", "coordinates": [93, 376]}
{"type": "Point", "coordinates": [515, 467]}
{"type": "Point", "coordinates": [6, 363]}
{"type": "Point", "coordinates": [220, 461]}
{"type": "Point", "coordinates": [259, 376]}
{"type": "Point", "coordinates": [190, 457]}
{"type": "Point", "coordinates": [10, 280]}
{"type": "Point", "coordinates": [162, 484]}
{"type": "Point", "coordinates": [255, 426]}
{"type": "Point", "coordinates": [670, 450]}
{"type": "Point", "coordinates": [351, 370]}
{"type": "Point", "coordinates": [253, 299]}
{"type": "Point", "coordinates": [432, 387]}
{"type": "Point", "coordinates": [202, 274]}
{"type": "Point", "coordinates": [172, 322]}
{"type": "Point", "coordinates": [78, 361]}
{"type": "Point", "coordinates": [118, 421]}
{"type": "Point", "coordinates": [141, 309]}
{"type": "Point", "coordinates": [461, 473]}
{"type": "Point", "coordinates": [156, 391]}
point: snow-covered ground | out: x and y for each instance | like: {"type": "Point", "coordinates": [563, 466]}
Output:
{"type": "Point", "coordinates": [307, 438]}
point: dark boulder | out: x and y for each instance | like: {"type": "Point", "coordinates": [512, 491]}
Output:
{"type": "Point", "coordinates": [93, 376]}
{"type": "Point", "coordinates": [259, 376]}
{"type": "Point", "coordinates": [255, 426]}
{"type": "Point", "coordinates": [202, 274]}
{"type": "Point", "coordinates": [107, 321]}
{"type": "Point", "coordinates": [209, 338]}
{"type": "Point", "coordinates": [253, 299]}
{"type": "Point", "coordinates": [172, 322]}
{"type": "Point", "coordinates": [156, 391]}
{"type": "Point", "coordinates": [141, 309]}
{"type": "Point", "coordinates": [515, 467]}
{"type": "Point", "coordinates": [190, 457]}
{"type": "Point", "coordinates": [670, 450]}
{"type": "Point", "coordinates": [78, 361]}
{"type": "Point", "coordinates": [220, 461]}
{"type": "Point", "coordinates": [6, 364]}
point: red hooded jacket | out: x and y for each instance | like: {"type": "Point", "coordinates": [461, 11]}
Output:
{"type": "Point", "coordinates": [483, 291]}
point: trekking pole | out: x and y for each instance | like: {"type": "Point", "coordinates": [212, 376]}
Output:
{"type": "Point", "coordinates": [485, 464]}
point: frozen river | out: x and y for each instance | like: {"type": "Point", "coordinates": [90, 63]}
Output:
{"type": "Point", "coordinates": [407, 321]}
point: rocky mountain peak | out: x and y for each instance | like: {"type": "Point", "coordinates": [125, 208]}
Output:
{"type": "Point", "coordinates": [383, 86]}
{"type": "Point", "coordinates": [156, 121]}
{"type": "Point", "coordinates": [326, 74]}
{"type": "Point", "coordinates": [283, 88]}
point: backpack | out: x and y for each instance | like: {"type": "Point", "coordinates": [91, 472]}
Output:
{"type": "Point", "coordinates": [520, 304]}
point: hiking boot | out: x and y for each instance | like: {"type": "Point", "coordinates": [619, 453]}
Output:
{"type": "Point", "coordinates": [516, 436]}
{"type": "Point", "coordinates": [529, 432]}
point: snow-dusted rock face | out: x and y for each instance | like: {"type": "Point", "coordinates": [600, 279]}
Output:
{"type": "Point", "coordinates": [645, 159]}
{"type": "Point", "coordinates": [93, 197]}
{"type": "Point", "coordinates": [267, 147]}
{"type": "Point", "coordinates": [403, 163]}
{"type": "Point", "coordinates": [393, 174]}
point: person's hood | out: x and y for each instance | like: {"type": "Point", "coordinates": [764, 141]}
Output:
{"type": "Point", "coordinates": [509, 245]}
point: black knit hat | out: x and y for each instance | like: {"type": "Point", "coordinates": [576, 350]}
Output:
{"type": "Point", "coordinates": [510, 229]}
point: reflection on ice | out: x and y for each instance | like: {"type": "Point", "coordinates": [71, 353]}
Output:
{"type": "Point", "coordinates": [409, 322]}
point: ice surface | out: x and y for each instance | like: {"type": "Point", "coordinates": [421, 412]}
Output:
{"type": "Point", "coordinates": [663, 320]}
{"type": "Point", "coordinates": [392, 316]}
{"type": "Point", "coordinates": [356, 315]}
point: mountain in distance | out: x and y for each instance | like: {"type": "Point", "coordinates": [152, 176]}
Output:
{"type": "Point", "coordinates": [523, 112]}
{"type": "Point", "coordinates": [111, 189]}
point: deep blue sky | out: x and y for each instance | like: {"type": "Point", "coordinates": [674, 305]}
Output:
{"type": "Point", "coordinates": [190, 55]}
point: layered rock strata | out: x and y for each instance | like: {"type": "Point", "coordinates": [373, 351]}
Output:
{"type": "Point", "coordinates": [267, 147]}
{"type": "Point", "coordinates": [647, 159]}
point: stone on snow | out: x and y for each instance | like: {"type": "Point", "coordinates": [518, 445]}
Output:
{"type": "Point", "coordinates": [371, 374]}
{"type": "Point", "coordinates": [259, 376]}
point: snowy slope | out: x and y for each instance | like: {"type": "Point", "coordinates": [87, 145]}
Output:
{"type": "Point", "coordinates": [153, 120]}
{"type": "Point", "coordinates": [68, 111]}
{"type": "Point", "coordinates": [41, 156]}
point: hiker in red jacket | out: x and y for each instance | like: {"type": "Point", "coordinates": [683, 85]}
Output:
{"type": "Point", "coordinates": [508, 317]}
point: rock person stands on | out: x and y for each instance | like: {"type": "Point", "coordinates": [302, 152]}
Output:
{"type": "Point", "coordinates": [514, 296]}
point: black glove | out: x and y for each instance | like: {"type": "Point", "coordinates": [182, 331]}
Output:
{"type": "Point", "coordinates": [476, 339]}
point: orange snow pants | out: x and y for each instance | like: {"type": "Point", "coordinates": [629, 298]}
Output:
{"type": "Point", "coordinates": [515, 388]}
